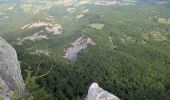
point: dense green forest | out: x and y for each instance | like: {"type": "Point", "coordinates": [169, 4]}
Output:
{"type": "Point", "coordinates": [131, 58]}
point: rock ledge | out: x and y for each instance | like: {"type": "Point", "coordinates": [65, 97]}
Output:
{"type": "Point", "coordinates": [97, 93]}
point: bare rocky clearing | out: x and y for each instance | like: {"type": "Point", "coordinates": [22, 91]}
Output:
{"type": "Point", "coordinates": [158, 36]}
{"type": "Point", "coordinates": [81, 2]}
{"type": "Point", "coordinates": [34, 37]}
{"type": "Point", "coordinates": [39, 52]}
{"type": "Point", "coordinates": [82, 13]}
{"type": "Point", "coordinates": [77, 46]}
{"type": "Point", "coordinates": [79, 16]}
{"type": "Point", "coordinates": [164, 20]}
{"type": "Point", "coordinates": [105, 2]}
{"type": "Point", "coordinates": [97, 26]}
{"type": "Point", "coordinates": [52, 28]}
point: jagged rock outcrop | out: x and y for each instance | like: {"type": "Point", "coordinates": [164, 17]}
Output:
{"type": "Point", "coordinates": [10, 73]}
{"type": "Point", "coordinates": [97, 93]}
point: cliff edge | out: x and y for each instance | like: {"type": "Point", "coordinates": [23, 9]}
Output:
{"type": "Point", "coordinates": [10, 73]}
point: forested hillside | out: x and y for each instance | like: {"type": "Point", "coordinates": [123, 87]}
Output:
{"type": "Point", "coordinates": [129, 56]}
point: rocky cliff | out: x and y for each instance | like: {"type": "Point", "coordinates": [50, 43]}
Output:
{"type": "Point", "coordinates": [10, 73]}
{"type": "Point", "coordinates": [97, 93]}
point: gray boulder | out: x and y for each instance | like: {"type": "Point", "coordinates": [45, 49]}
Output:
{"type": "Point", "coordinates": [10, 73]}
{"type": "Point", "coordinates": [97, 93]}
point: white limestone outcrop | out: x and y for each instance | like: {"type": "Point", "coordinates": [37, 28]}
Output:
{"type": "Point", "coordinates": [97, 93]}
{"type": "Point", "coordinates": [10, 73]}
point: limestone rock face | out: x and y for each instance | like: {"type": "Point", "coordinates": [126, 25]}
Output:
{"type": "Point", "coordinates": [10, 73]}
{"type": "Point", "coordinates": [97, 93]}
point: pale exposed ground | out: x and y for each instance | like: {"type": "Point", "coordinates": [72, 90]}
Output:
{"type": "Point", "coordinates": [150, 18]}
{"type": "Point", "coordinates": [5, 17]}
{"type": "Point", "coordinates": [50, 18]}
{"type": "Point", "coordinates": [1, 13]}
{"type": "Point", "coordinates": [112, 44]}
{"type": "Point", "coordinates": [36, 24]}
{"type": "Point", "coordinates": [164, 20]}
{"type": "Point", "coordinates": [158, 36]}
{"type": "Point", "coordinates": [68, 2]}
{"type": "Point", "coordinates": [128, 2]}
{"type": "Point", "coordinates": [65, 2]}
{"type": "Point", "coordinates": [81, 2]}
{"type": "Point", "coordinates": [84, 11]}
{"type": "Point", "coordinates": [70, 9]}
{"type": "Point", "coordinates": [83, 39]}
{"type": "Point", "coordinates": [143, 42]}
{"type": "Point", "coordinates": [77, 46]}
{"type": "Point", "coordinates": [52, 28]}
{"type": "Point", "coordinates": [102, 2]}
{"type": "Point", "coordinates": [39, 52]}
{"type": "Point", "coordinates": [122, 39]}
{"type": "Point", "coordinates": [96, 25]}
{"type": "Point", "coordinates": [127, 39]}
{"type": "Point", "coordinates": [79, 16]}
{"type": "Point", "coordinates": [11, 8]}
{"type": "Point", "coordinates": [34, 37]}
{"type": "Point", "coordinates": [145, 36]}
